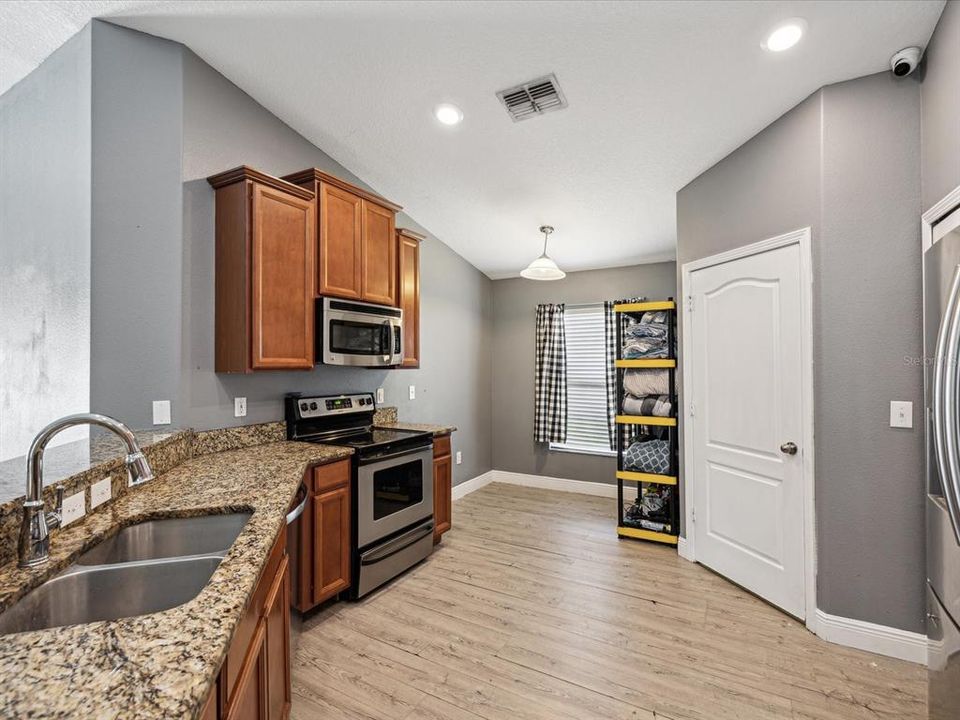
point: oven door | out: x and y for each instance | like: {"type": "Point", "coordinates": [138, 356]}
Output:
{"type": "Point", "coordinates": [393, 493]}
{"type": "Point", "coordinates": [360, 334]}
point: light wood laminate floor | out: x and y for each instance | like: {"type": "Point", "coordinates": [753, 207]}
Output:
{"type": "Point", "coordinates": [531, 608]}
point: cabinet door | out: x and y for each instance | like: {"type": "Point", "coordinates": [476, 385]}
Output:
{"type": "Point", "coordinates": [331, 551]}
{"type": "Point", "coordinates": [379, 255]}
{"type": "Point", "coordinates": [282, 280]}
{"type": "Point", "coordinates": [408, 277]}
{"type": "Point", "coordinates": [249, 697]}
{"type": "Point", "coordinates": [340, 254]}
{"type": "Point", "coordinates": [276, 618]}
{"type": "Point", "coordinates": [442, 498]}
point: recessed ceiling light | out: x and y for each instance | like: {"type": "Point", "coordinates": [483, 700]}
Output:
{"type": "Point", "coordinates": [448, 114]}
{"type": "Point", "coordinates": [785, 35]}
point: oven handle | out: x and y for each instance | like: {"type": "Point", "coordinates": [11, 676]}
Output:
{"type": "Point", "coordinates": [412, 451]}
{"type": "Point", "coordinates": [397, 544]}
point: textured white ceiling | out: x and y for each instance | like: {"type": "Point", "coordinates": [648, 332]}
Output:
{"type": "Point", "coordinates": [658, 92]}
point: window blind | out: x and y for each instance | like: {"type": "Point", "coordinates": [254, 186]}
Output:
{"type": "Point", "coordinates": [586, 381]}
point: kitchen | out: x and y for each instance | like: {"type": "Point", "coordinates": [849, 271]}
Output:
{"type": "Point", "coordinates": [288, 343]}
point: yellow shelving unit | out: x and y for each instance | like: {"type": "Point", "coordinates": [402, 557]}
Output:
{"type": "Point", "coordinates": [630, 528]}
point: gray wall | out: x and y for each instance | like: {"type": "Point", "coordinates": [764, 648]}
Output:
{"type": "Point", "coordinates": [845, 162]}
{"type": "Point", "coordinates": [514, 306]}
{"type": "Point", "coordinates": [941, 108]}
{"type": "Point", "coordinates": [45, 247]}
{"type": "Point", "coordinates": [163, 121]}
{"type": "Point", "coordinates": [136, 273]}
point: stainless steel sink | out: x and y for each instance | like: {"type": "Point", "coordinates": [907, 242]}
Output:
{"type": "Point", "coordinates": [170, 537]}
{"type": "Point", "coordinates": [109, 592]}
{"type": "Point", "coordinates": [145, 568]}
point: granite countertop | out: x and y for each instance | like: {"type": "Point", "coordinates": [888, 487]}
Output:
{"type": "Point", "coordinates": [437, 430]}
{"type": "Point", "coordinates": [160, 665]}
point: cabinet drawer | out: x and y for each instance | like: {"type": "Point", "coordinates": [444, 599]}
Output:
{"type": "Point", "coordinates": [441, 446]}
{"type": "Point", "coordinates": [331, 476]}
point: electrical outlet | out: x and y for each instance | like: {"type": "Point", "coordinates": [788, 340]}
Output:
{"type": "Point", "coordinates": [74, 508]}
{"type": "Point", "coordinates": [413, 392]}
{"type": "Point", "coordinates": [101, 492]}
{"type": "Point", "coordinates": [459, 457]}
{"type": "Point", "coordinates": [161, 412]}
{"type": "Point", "coordinates": [379, 396]}
{"type": "Point", "coordinates": [901, 414]}
{"type": "Point", "coordinates": [240, 407]}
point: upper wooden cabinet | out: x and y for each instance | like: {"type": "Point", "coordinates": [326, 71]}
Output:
{"type": "Point", "coordinates": [265, 258]}
{"type": "Point", "coordinates": [356, 251]}
{"type": "Point", "coordinates": [408, 294]}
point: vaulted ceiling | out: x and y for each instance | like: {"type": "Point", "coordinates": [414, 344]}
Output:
{"type": "Point", "coordinates": [657, 91]}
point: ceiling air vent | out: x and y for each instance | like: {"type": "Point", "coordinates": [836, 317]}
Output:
{"type": "Point", "coordinates": [533, 98]}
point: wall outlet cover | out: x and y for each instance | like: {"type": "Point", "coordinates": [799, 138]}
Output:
{"type": "Point", "coordinates": [901, 414]}
{"type": "Point", "coordinates": [459, 457]}
{"type": "Point", "coordinates": [240, 407]}
{"type": "Point", "coordinates": [413, 392]}
{"type": "Point", "coordinates": [101, 492]}
{"type": "Point", "coordinates": [161, 412]}
{"type": "Point", "coordinates": [379, 396]}
{"type": "Point", "coordinates": [74, 508]}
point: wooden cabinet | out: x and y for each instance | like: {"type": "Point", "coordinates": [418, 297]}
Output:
{"type": "Point", "coordinates": [442, 487]}
{"type": "Point", "coordinates": [325, 529]}
{"type": "Point", "coordinates": [356, 249]}
{"type": "Point", "coordinates": [408, 294]}
{"type": "Point", "coordinates": [265, 258]}
{"type": "Point", "coordinates": [254, 682]}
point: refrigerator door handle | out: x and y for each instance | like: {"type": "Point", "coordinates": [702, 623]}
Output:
{"type": "Point", "coordinates": [946, 422]}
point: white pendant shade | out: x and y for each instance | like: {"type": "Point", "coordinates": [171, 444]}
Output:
{"type": "Point", "coordinates": [543, 268]}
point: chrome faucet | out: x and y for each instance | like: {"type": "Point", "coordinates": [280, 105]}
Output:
{"type": "Point", "coordinates": [35, 529]}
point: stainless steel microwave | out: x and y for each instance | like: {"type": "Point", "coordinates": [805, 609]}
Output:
{"type": "Point", "coordinates": [359, 334]}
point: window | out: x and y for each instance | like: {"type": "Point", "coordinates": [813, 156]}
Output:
{"type": "Point", "coordinates": [586, 381]}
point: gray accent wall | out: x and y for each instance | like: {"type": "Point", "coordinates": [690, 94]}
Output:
{"type": "Point", "coordinates": [514, 320]}
{"type": "Point", "coordinates": [941, 108]}
{"type": "Point", "coordinates": [845, 162]}
{"type": "Point", "coordinates": [164, 120]}
{"type": "Point", "coordinates": [45, 247]}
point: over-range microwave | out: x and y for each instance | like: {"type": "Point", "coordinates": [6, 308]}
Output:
{"type": "Point", "coordinates": [359, 334]}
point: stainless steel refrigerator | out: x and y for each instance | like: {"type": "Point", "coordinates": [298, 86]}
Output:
{"type": "Point", "coordinates": [942, 422]}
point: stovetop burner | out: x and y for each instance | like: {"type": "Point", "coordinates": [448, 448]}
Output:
{"type": "Point", "coordinates": [379, 436]}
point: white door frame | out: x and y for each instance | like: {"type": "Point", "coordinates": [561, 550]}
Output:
{"type": "Point", "coordinates": [940, 210]}
{"type": "Point", "coordinates": [802, 239]}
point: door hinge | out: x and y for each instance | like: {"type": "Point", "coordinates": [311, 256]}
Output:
{"type": "Point", "coordinates": [693, 514]}
{"type": "Point", "coordinates": [692, 410]}
{"type": "Point", "coordinates": [689, 303]}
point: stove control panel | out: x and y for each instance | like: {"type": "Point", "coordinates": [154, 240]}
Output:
{"type": "Point", "coordinates": [327, 405]}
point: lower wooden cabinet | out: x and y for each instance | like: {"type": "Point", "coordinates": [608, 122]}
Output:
{"type": "Point", "coordinates": [254, 682]}
{"type": "Point", "coordinates": [325, 528]}
{"type": "Point", "coordinates": [442, 487]}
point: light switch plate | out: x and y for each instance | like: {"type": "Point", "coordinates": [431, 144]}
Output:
{"type": "Point", "coordinates": [901, 414]}
{"type": "Point", "coordinates": [459, 457]}
{"type": "Point", "coordinates": [161, 412]}
{"type": "Point", "coordinates": [413, 392]}
{"type": "Point", "coordinates": [73, 508]}
{"type": "Point", "coordinates": [101, 492]}
{"type": "Point", "coordinates": [240, 407]}
{"type": "Point", "coordinates": [379, 396]}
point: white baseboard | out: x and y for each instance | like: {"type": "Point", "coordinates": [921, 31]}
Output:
{"type": "Point", "coordinates": [551, 483]}
{"type": "Point", "coordinates": [685, 550]}
{"type": "Point", "coordinates": [871, 637]}
{"type": "Point", "coordinates": [473, 484]}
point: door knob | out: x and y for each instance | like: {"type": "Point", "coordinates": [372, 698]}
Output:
{"type": "Point", "coordinates": [789, 448]}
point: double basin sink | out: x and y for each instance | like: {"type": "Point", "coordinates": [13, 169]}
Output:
{"type": "Point", "coordinates": [145, 568]}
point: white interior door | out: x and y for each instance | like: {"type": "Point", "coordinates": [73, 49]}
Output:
{"type": "Point", "coordinates": [745, 347]}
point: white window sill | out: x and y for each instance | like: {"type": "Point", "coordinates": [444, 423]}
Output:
{"type": "Point", "coordinates": [559, 447]}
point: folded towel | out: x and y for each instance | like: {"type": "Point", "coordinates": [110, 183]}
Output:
{"type": "Point", "coordinates": [651, 330]}
{"type": "Point", "coordinates": [648, 456]}
{"type": "Point", "coordinates": [637, 348]}
{"type": "Point", "coordinates": [657, 405]}
{"type": "Point", "coordinates": [646, 382]}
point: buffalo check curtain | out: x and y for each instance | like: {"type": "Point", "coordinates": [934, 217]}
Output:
{"type": "Point", "coordinates": [550, 389]}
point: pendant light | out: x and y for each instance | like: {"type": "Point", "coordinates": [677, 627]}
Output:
{"type": "Point", "coordinates": [543, 268]}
